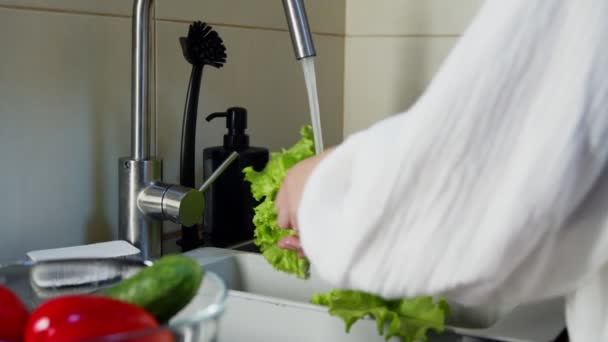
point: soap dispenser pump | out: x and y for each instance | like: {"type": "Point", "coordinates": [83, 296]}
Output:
{"type": "Point", "coordinates": [229, 204]}
{"type": "Point", "coordinates": [236, 123]}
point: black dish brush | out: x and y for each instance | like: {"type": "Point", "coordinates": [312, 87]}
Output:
{"type": "Point", "coordinates": [203, 46]}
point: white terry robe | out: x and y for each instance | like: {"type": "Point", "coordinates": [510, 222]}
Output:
{"type": "Point", "coordinates": [493, 187]}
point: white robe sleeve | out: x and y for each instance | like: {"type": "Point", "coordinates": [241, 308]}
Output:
{"type": "Point", "coordinates": [492, 187]}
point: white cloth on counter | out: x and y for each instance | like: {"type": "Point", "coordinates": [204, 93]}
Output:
{"type": "Point", "coordinates": [493, 187]}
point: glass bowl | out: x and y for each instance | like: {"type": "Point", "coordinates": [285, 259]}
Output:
{"type": "Point", "coordinates": [36, 282]}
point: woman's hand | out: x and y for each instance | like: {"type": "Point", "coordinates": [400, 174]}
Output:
{"type": "Point", "coordinates": [289, 196]}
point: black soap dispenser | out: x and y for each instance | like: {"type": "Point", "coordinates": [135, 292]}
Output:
{"type": "Point", "coordinates": [228, 201]}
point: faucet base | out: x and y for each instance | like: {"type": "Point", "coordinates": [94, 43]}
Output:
{"type": "Point", "coordinates": [134, 225]}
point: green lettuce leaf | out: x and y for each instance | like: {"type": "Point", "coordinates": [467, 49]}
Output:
{"type": "Point", "coordinates": [265, 185]}
{"type": "Point", "coordinates": [408, 319]}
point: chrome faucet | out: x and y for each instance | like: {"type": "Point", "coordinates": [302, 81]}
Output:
{"type": "Point", "coordinates": [144, 200]}
{"type": "Point", "coordinates": [301, 37]}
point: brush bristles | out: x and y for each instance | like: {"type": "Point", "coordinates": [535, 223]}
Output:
{"type": "Point", "coordinates": [204, 46]}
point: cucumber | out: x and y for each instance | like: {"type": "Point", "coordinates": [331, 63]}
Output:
{"type": "Point", "coordinates": [162, 289]}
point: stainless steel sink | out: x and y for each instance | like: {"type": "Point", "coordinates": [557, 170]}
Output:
{"type": "Point", "coordinates": [247, 246]}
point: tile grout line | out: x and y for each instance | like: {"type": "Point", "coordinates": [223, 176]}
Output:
{"type": "Point", "coordinates": [405, 35]}
{"type": "Point", "coordinates": [250, 27]}
{"type": "Point", "coordinates": [344, 70]}
{"type": "Point", "coordinates": [63, 11]}
{"type": "Point", "coordinates": [339, 35]}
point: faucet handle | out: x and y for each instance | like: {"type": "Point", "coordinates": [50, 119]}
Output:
{"type": "Point", "coordinates": [178, 203]}
{"type": "Point", "coordinates": [175, 203]}
{"type": "Point", "coordinates": [183, 205]}
{"type": "Point", "coordinates": [218, 172]}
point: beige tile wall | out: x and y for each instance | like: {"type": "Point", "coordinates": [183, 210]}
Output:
{"type": "Point", "coordinates": [393, 48]}
{"type": "Point", "coordinates": [64, 92]}
{"type": "Point", "coordinates": [65, 95]}
{"type": "Point", "coordinates": [409, 17]}
{"type": "Point", "coordinates": [324, 16]}
{"type": "Point", "coordinates": [63, 121]}
{"type": "Point", "coordinates": [105, 7]}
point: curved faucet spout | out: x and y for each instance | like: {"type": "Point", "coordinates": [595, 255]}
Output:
{"type": "Point", "coordinates": [297, 21]}
{"type": "Point", "coordinates": [140, 117]}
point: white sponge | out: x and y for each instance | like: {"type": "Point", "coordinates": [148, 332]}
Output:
{"type": "Point", "coordinates": [103, 250]}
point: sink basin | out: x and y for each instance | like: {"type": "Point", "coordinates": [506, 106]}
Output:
{"type": "Point", "coordinates": [247, 246]}
{"type": "Point", "coordinates": [279, 297]}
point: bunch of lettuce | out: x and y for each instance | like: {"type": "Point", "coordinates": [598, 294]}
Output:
{"type": "Point", "coordinates": [265, 185]}
{"type": "Point", "coordinates": [408, 319]}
